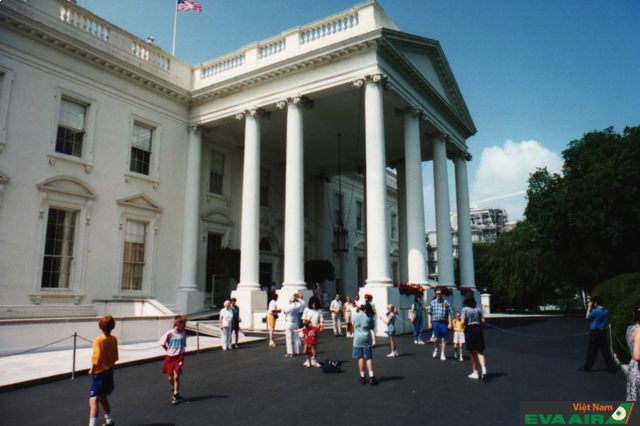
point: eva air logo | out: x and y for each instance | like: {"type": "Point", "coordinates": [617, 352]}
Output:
{"type": "Point", "coordinates": [621, 415]}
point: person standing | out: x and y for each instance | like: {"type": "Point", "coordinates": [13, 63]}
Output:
{"type": "Point", "coordinates": [313, 313]}
{"type": "Point", "coordinates": [348, 315]}
{"type": "Point", "coordinates": [235, 322]}
{"type": "Point", "coordinates": [597, 316]}
{"type": "Point", "coordinates": [272, 316]}
{"type": "Point", "coordinates": [174, 342]}
{"type": "Point", "coordinates": [440, 323]}
{"type": "Point", "coordinates": [416, 314]}
{"type": "Point", "coordinates": [363, 321]}
{"type": "Point", "coordinates": [633, 340]}
{"type": "Point", "coordinates": [336, 315]}
{"type": "Point", "coordinates": [226, 318]}
{"type": "Point", "coordinates": [390, 320]}
{"type": "Point", "coordinates": [458, 336]}
{"type": "Point", "coordinates": [473, 318]}
{"type": "Point", "coordinates": [104, 357]}
{"type": "Point", "coordinates": [368, 299]}
{"type": "Point", "coordinates": [291, 312]}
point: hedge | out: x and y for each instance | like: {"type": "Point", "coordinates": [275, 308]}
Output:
{"type": "Point", "coordinates": [618, 295]}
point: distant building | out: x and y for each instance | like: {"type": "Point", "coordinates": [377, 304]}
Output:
{"type": "Point", "coordinates": [486, 225]}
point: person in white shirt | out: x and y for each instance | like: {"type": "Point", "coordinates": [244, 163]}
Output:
{"type": "Point", "coordinates": [226, 316]}
{"type": "Point", "coordinates": [336, 315]}
{"type": "Point", "coordinates": [314, 314]}
{"type": "Point", "coordinates": [271, 318]}
{"type": "Point", "coordinates": [292, 312]}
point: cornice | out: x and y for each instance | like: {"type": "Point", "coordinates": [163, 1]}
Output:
{"type": "Point", "coordinates": [51, 38]}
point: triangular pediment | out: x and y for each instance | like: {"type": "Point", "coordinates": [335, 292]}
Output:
{"type": "Point", "coordinates": [4, 178]}
{"type": "Point", "coordinates": [141, 201]}
{"type": "Point", "coordinates": [425, 61]}
{"type": "Point", "coordinates": [67, 185]}
{"type": "Point", "coordinates": [217, 217]}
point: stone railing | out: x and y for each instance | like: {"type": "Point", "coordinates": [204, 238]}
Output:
{"type": "Point", "coordinates": [154, 55]}
{"type": "Point", "coordinates": [327, 28]}
{"type": "Point", "coordinates": [84, 21]}
{"type": "Point", "coordinates": [359, 20]}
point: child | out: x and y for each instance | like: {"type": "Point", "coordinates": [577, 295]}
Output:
{"type": "Point", "coordinates": [105, 355]}
{"type": "Point", "coordinates": [369, 300]}
{"type": "Point", "coordinates": [363, 324]}
{"type": "Point", "coordinates": [458, 336]}
{"type": "Point", "coordinates": [310, 334]}
{"type": "Point", "coordinates": [390, 320]}
{"type": "Point", "coordinates": [174, 342]}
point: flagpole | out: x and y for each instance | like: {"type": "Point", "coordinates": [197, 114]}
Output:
{"type": "Point", "coordinates": [175, 28]}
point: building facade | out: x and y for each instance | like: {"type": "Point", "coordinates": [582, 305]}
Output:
{"type": "Point", "coordinates": [122, 168]}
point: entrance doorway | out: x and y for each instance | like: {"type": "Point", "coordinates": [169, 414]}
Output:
{"type": "Point", "coordinates": [266, 274]}
{"type": "Point", "coordinates": [217, 286]}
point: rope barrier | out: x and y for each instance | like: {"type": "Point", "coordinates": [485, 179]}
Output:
{"type": "Point", "coordinates": [624, 346]}
{"type": "Point", "coordinates": [40, 347]}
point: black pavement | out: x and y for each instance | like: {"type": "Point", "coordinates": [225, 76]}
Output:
{"type": "Point", "coordinates": [256, 385]}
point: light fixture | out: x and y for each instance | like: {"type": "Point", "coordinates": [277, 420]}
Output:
{"type": "Point", "coordinates": [340, 235]}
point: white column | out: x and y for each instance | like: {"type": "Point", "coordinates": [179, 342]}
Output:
{"type": "Point", "coordinates": [416, 235]}
{"type": "Point", "coordinates": [294, 201]}
{"type": "Point", "coordinates": [402, 221]}
{"type": "Point", "coordinates": [378, 262]}
{"type": "Point", "coordinates": [250, 239]}
{"type": "Point", "coordinates": [443, 211]}
{"type": "Point", "coordinates": [467, 276]}
{"type": "Point", "coordinates": [190, 299]}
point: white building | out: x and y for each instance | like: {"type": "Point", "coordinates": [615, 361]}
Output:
{"type": "Point", "coordinates": [122, 167]}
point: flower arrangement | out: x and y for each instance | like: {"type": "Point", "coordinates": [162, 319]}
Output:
{"type": "Point", "coordinates": [446, 291]}
{"type": "Point", "coordinates": [466, 290]}
{"type": "Point", "coordinates": [410, 289]}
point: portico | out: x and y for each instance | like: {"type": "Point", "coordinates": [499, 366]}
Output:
{"type": "Point", "coordinates": [284, 101]}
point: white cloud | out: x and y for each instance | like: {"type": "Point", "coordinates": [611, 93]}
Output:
{"type": "Point", "coordinates": [501, 177]}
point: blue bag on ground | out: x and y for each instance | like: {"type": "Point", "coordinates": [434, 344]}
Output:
{"type": "Point", "coordinates": [331, 366]}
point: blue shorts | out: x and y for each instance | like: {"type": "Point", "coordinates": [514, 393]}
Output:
{"type": "Point", "coordinates": [440, 329]}
{"type": "Point", "coordinates": [391, 330]}
{"type": "Point", "coordinates": [365, 353]}
{"type": "Point", "coordinates": [102, 384]}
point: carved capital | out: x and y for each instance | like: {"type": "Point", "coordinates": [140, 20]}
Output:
{"type": "Point", "coordinates": [281, 104]}
{"type": "Point", "coordinates": [88, 168]}
{"type": "Point", "coordinates": [259, 112]}
{"type": "Point", "coordinates": [443, 136]}
{"type": "Point", "coordinates": [303, 101]}
{"type": "Point", "coordinates": [240, 115]}
{"type": "Point", "coordinates": [359, 82]}
{"type": "Point", "coordinates": [411, 110]}
{"type": "Point", "coordinates": [374, 78]}
{"type": "Point", "coordinates": [195, 129]}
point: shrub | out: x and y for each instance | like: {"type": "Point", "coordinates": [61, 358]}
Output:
{"type": "Point", "coordinates": [618, 295]}
{"type": "Point", "coordinates": [466, 290]}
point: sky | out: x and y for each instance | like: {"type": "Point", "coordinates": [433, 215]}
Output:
{"type": "Point", "coordinates": [535, 74]}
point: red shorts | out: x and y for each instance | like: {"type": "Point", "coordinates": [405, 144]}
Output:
{"type": "Point", "coordinates": [173, 364]}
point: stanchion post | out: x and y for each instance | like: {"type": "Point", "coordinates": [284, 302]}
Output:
{"type": "Point", "coordinates": [198, 336]}
{"type": "Point", "coordinates": [73, 367]}
{"type": "Point", "coordinates": [611, 341]}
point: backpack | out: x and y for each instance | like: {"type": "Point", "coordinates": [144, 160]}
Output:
{"type": "Point", "coordinates": [331, 366]}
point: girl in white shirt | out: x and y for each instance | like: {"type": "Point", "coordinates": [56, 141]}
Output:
{"type": "Point", "coordinates": [314, 314]}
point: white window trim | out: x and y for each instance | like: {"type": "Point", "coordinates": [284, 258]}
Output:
{"type": "Point", "coordinates": [5, 96]}
{"type": "Point", "coordinates": [364, 217]}
{"type": "Point", "coordinates": [344, 210]}
{"type": "Point", "coordinates": [80, 201]}
{"type": "Point", "coordinates": [226, 186]}
{"type": "Point", "coordinates": [147, 212]}
{"type": "Point", "coordinates": [89, 123]}
{"type": "Point", "coordinates": [391, 227]}
{"type": "Point", "coordinates": [214, 222]}
{"type": "Point", "coordinates": [154, 175]}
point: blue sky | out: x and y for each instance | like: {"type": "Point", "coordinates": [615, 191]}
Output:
{"type": "Point", "coordinates": [541, 72]}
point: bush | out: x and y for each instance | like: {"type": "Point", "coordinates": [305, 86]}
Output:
{"type": "Point", "coordinates": [410, 289]}
{"type": "Point", "coordinates": [618, 295]}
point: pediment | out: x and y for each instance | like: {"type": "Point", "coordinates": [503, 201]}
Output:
{"type": "Point", "coordinates": [67, 185]}
{"type": "Point", "coordinates": [4, 178]}
{"type": "Point", "coordinates": [425, 61]}
{"type": "Point", "coordinates": [217, 217]}
{"type": "Point", "coordinates": [141, 201]}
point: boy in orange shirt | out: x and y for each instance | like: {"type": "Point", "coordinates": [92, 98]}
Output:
{"type": "Point", "coordinates": [105, 355]}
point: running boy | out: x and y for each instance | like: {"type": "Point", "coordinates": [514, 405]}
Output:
{"type": "Point", "coordinates": [310, 334]}
{"type": "Point", "coordinates": [105, 355]}
{"type": "Point", "coordinates": [458, 336]}
{"type": "Point", "coordinates": [363, 321]}
{"type": "Point", "coordinates": [174, 342]}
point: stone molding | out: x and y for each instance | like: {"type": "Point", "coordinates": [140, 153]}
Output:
{"type": "Point", "coordinates": [254, 112]}
{"type": "Point", "coordinates": [410, 110]}
{"type": "Point", "coordinates": [377, 78]}
{"type": "Point", "coordinates": [296, 100]}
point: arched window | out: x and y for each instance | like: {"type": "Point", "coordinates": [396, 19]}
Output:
{"type": "Point", "coordinates": [265, 245]}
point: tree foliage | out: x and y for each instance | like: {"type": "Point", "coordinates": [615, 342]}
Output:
{"type": "Point", "coordinates": [317, 271]}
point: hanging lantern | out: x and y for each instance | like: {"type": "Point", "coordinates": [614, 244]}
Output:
{"type": "Point", "coordinates": [340, 235]}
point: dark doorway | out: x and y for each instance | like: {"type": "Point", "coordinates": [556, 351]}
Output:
{"type": "Point", "coordinates": [215, 288]}
{"type": "Point", "coordinates": [266, 273]}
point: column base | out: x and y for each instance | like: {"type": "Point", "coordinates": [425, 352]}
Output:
{"type": "Point", "coordinates": [382, 297]}
{"type": "Point", "coordinates": [190, 301]}
{"type": "Point", "coordinates": [249, 300]}
{"type": "Point", "coordinates": [381, 282]}
{"type": "Point", "coordinates": [295, 285]}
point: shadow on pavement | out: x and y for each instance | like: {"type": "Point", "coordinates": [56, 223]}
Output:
{"type": "Point", "coordinates": [158, 424]}
{"type": "Point", "coordinates": [204, 398]}
{"type": "Point", "coordinates": [390, 378]}
{"type": "Point", "coordinates": [491, 376]}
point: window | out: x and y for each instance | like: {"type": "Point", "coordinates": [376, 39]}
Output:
{"type": "Point", "coordinates": [71, 128]}
{"type": "Point", "coordinates": [134, 255]}
{"type": "Point", "coordinates": [359, 215]}
{"type": "Point", "coordinates": [216, 179]}
{"type": "Point", "coordinates": [58, 249]}
{"type": "Point", "coordinates": [394, 272]}
{"type": "Point", "coordinates": [265, 245]}
{"type": "Point", "coordinates": [141, 149]}
{"type": "Point", "coordinates": [360, 271]}
{"type": "Point", "coordinates": [338, 205]}
{"type": "Point", "coordinates": [264, 187]}
{"type": "Point", "coordinates": [394, 230]}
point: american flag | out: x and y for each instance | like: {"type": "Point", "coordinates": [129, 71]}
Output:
{"type": "Point", "coordinates": [189, 5]}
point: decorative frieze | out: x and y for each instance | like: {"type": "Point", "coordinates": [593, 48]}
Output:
{"type": "Point", "coordinates": [57, 299]}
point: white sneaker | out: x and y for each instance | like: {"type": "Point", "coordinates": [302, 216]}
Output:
{"type": "Point", "coordinates": [307, 364]}
{"type": "Point", "coordinates": [474, 375]}
{"type": "Point", "coordinates": [391, 355]}
{"type": "Point", "coordinates": [443, 357]}
{"type": "Point", "coordinates": [435, 353]}
{"type": "Point", "coordinates": [395, 353]}
{"type": "Point", "coordinates": [421, 342]}
{"type": "Point", "coordinates": [455, 354]}
{"type": "Point", "coordinates": [415, 342]}
{"type": "Point", "coordinates": [315, 364]}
